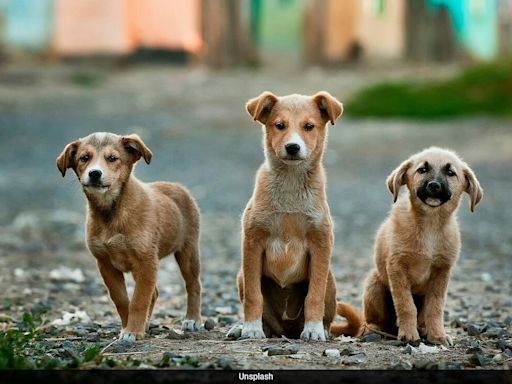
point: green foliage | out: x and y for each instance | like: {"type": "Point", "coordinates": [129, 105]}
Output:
{"type": "Point", "coordinates": [484, 89]}
{"type": "Point", "coordinates": [13, 343]}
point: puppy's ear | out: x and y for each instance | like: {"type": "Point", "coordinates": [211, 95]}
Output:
{"type": "Point", "coordinates": [473, 188]}
{"type": "Point", "coordinates": [260, 107]}
{"type": "Point", "coordinates": [67, 158]}
{"type": "Point", "coordinates": [136, 147]}
{"type": "Point", "coordinates": [397, 178]}
{"type": "Point", "coordinates": [330, 108]}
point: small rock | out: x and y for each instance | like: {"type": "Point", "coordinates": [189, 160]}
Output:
{"type": "Point", "coordinates": [235, 332]}
{"type": "Point", "coordinates": [498, 358]}
{"type": "Point", "coordinates": [354, 359]}
{"type": "Point", "coordinates": [93, 337]}
{"type": "Point", "coordinates": [474, 329]}
{"type": "Point", "coordinates": [209, 324]}
{"type": "Point", "coordinates": [459, 322]}
{"type": "Point", "coordinates": [508, 321]}
{"type": "Point", "coordinates": [332, 353]}
{"type": "Point", "coordinates": [504, 345]}
{"type": "Point", "coordinates": [348, 352]}
{"type": "Point", "coordinates": [394, 343]}
{"type": "Point", "coordinates": [209, 312]}
{"type": "Point", "coordinates": [371, 338]}
{"type": "Point", "coordinates": [287, 349]}
{"type": "Point", "coordinates": [157, 331]}
{"type": "Point", "coordinates": [409, 349]}
{"type": "Point", "coordinates": [494, 332]}
{"type": "Point", "coordinates": [474, 348]}
{"type": "Point", "coordinates": [122, 346]}
{"type": "Point", "coordinates": [173, 335]}
{"type": "Point", "coordinates": [480, 360]}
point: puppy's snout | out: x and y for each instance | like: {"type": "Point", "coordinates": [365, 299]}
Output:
{"type": "Point", "coordinates": [292, 148]}
{"type": "Point", "coordinates": [434, 187]}
{"type": "Point", "coordinates": [95, 175]}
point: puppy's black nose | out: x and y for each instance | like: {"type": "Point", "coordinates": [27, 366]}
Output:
{"type": "Point", "coordinates": [434, 187]}
{"type": "Point", "coordinates": [94, 174]}
{"type": "Point", "coordinates": [292, 149]}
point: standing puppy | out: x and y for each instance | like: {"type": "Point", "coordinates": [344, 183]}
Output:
{"type": "Point", "coordinates": [417, 246]}
{"type": "Point", "coordinates": [285, 283]}
{"type": "Point", "coordinates": [131, 225]}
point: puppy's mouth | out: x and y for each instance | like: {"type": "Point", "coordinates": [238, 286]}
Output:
{"type": "Point", "coordinates": [97, 188]}
{"type": "Point", "coordinates": [289, 160]}
{"type": "Point", "coordinates": [433, 200]}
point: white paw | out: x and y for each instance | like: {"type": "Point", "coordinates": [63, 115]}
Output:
{"type": "Point", "coordinates": [189, 325]}
{"type": "Point", "coordinates": [252, 330]}
{"type": "Point", "coordinates": [313, 331]}
{"type": "Point", "coordinates": [128, 337]}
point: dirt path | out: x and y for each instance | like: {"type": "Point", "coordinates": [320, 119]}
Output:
{"type": "Point", "coordinates": [200, 135]}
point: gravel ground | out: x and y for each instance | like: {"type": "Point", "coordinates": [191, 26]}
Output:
{"type": "Point", "coordinates": [196, 126]}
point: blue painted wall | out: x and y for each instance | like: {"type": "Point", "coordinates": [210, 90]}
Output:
{"type": "Point", "coordinates": [27, 23]}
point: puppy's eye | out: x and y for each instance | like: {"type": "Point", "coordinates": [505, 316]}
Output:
{"type": "Point", "coordinates": [309, 126]}
{"type": "Point", "coordinates": [422, 170]}
{"type": "Point", "coordinates": [280, 126]}
{"type": "Point", "coordinates": [84, 158]}
{"type": "Point", "coordinates": [112, 158]}
{"type": "Point", "coordinates": [450, 173]}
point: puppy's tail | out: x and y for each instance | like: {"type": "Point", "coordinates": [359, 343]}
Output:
{"type": "Point", "coordinates": [354, 324]}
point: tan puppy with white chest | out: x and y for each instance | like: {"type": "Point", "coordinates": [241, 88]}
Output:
{"type": "Point", "coordinates": [417, 246]}
{"type": "Point", "coordinates": [131, 225]}
{"type": "Point", "coordinates": [285, 282]}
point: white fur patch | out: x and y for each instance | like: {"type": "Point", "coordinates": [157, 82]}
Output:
{"type": "Point", "coordinates": [295, 138]}
{"type": "Point", "coordinates": [313, 331]}
{"type": "Point", "coordinates": [433, 202]}
{"type": "Point", "coordinates": [253, 330]}
{"type": "Point", "coordinates": [190, 325]}
{"type": "Point", "coordinates": [127, 336]}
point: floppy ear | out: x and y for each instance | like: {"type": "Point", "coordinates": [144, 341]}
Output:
{"type": "Point", "coordinates": [135, 146]}
{"type": "Point", "coordinates": [397, 178]}
{"type": "Point", "coordinates": [330, 108]}
{"type": "Point", "coordinates": [473, 188]}
{"type": "Point", "coordinates": [260, 107]}
{"type": "Point", "coordinates": [67, 158]}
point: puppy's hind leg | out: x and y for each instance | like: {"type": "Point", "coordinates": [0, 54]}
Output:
{"type": "Point", "coordinates": [189, 263]}
{"type": "Point", "coordinates": [376, 311]}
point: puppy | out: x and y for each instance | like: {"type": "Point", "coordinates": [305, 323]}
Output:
{"type": "Point", "coordinates": [417, 246]}
{"type": "Point", "coordinates": [285, 283]}
{"type": "Point", "coordinates": [131, 225]}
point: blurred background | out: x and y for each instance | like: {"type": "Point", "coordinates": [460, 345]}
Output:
{"type": "Point", "coordinates": [411, 74]}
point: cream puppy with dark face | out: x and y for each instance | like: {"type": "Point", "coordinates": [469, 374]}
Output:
{"type": "Point", "coordinates": [131, 225]}
{"type": "Point", "coordinates": [417, 246]}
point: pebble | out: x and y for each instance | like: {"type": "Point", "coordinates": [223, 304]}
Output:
{"type": "Point", "coordinates": [354, 359]}
{"type": "Point", "coordinates": [508, 321]}
{"type": "Point", "coordinates": [503, 345]}
{"type": "Point", "coordinates": [332, 353]}
{"type": "Point", "coordinates": [371, 338]}
{"type": "Point", "coordinates": [409, 349]}
{"type": "Point", "coordinates": [235, 332]}
{"type": "Point", "coordinates": [209, 324]}
{"type": "Point", "coordinates": [480, 360]}
{"type": "Point", "coordinates": [287, 349]}
{"type": "Point", "coordinates": [494, 332]}
{"type": "Point", "coordinates": [474, 329]}
{"type": "Point", "coordinates": [348, 352]}
{"type": "Point", "coordinates": [122, 346]}
{"type": "Point", "coordinates": [421, 364]}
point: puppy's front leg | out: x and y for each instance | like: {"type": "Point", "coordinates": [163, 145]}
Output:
{"type": "Point", "coordinates": [406, 312]}
{"type": "Point", "coordinates": [252, 260]}
{"type": "Point", "coordinates": [320, 249]}
{"type": "Point", "coordinates": [114, 280]}
{"type": "Point", "coordinates": [145, 284]}
{"type": "Point", "coordinates": [434, 306]}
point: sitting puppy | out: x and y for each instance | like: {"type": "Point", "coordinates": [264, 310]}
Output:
{"type": "Point", "coordinates": [417, 246]}
{"type": "Point", "coordinates": [131, 225]}
{"type": "Point", "coordinates": [286, 284]}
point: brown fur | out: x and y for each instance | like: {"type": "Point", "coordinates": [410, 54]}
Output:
{"type": "Point", "coordinates": [416, 248]}
{"type": "Point", "coordinates": [287, 237]}
{"type": "Point", "coordinates": [131, 225]}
